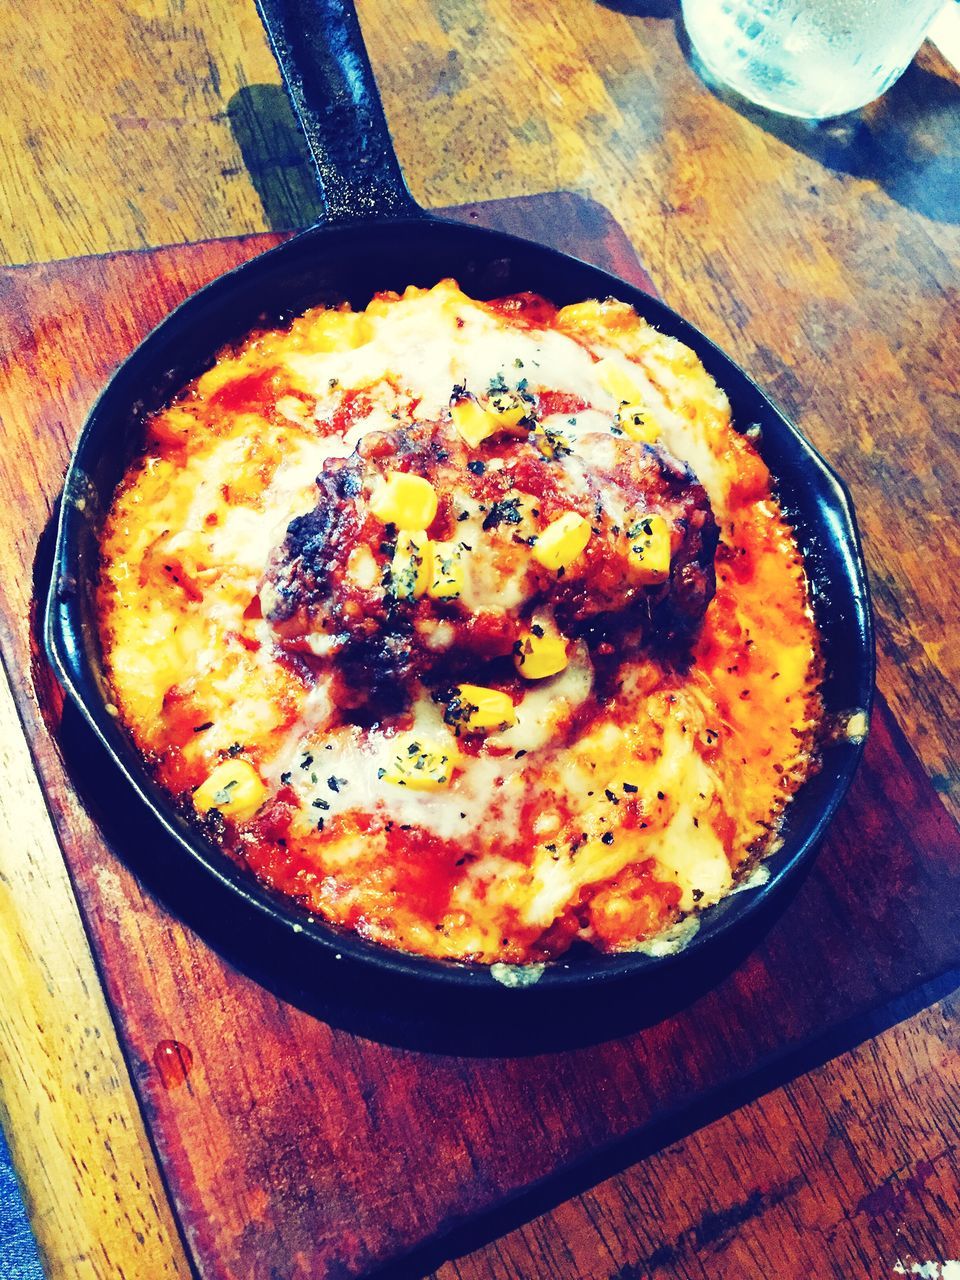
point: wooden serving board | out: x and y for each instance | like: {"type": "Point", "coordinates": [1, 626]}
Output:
{"type": "Point", "coordinates": [310, 1127]}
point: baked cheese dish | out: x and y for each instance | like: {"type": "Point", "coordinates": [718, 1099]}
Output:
{"type": "Point", "coordinates": [473, 627]}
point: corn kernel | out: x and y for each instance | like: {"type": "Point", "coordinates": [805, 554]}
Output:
{"type": "Point", "coordinates": [615, 379]}
{"type": "Point", "coordinates": [552, 444]}
{"type": "Point", "coordinates": [448, 577]}
{"type": "Point", "coordinates": [635, 422]}
{"type": "Point", "coordinates": [476, 422]}
{"type": "Point", "coordinates": [540, 653]}
{"type": "Point", "coordinates": [506, 408]}
{"type": "Point", "coordinates": [476, 709]}
{"type": "Point", "coordinates": [562, 541]}
{"type": "Point", "coordinates": [403, 499]}
{"type": "Point", "coordinates": [422, 764]}
{"type": "Point", "coordinates": [411, 570]}
{"type": "Point", "coordinates": [472, 420]}
{"type": "Point", "coordinates": [234, 787]}
{"type": "Point", "coordinates": [649, 554]}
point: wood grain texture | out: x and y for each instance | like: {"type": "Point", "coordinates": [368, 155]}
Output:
{"type": "Point", "coordinates": [117, 131]}
{"type": "Point", "coordinates": [290, 1143]}
{"type": "Point", "coordinates": [840, 1175]}
{"type": "Point", "coordinates": [92, 1182]}
{"type": "Point", "coordinates": [851, 237]}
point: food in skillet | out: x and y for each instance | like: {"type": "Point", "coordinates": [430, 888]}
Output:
{"type": "Point", "coordinates": [473, 627]}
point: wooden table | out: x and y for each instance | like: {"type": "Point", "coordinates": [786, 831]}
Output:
{"type": "Point", "coordinates": [825, 260]}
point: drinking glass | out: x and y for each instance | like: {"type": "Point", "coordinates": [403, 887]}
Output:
{"type": "Point", "coordinates": [809, 58]}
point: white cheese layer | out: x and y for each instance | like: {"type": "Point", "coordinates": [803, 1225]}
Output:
{"type": "Point", "coordinates": [536, 806]}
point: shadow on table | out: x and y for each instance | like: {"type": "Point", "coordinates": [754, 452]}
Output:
{"type": "Point", "coordinates": [275, 155]}
{"type": "Point", "coordinates": [908, 141]}
{"type": "Point", "coordinates": [644, 8]}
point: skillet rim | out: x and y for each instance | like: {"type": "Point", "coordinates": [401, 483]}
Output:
{"type": "Point", "coordinates": [63, 637]}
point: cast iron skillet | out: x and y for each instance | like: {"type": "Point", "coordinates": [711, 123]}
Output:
{"type": "Point", "coordinates": [374, 237]}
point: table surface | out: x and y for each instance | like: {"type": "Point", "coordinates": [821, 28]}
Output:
{"type": "Point", "coordinates": [825, 259]}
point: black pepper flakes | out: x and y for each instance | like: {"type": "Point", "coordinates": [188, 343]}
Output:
{"type": "Point", "coordinates": [504, 511]}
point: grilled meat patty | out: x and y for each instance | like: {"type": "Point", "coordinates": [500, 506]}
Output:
{"type": "Point", "coordinates": [617, 551]}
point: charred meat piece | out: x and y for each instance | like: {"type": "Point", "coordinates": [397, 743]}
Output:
{"type": "Point", "coordinates": [628, 483]}
{"type": "Point", "coordinates": [424, 554]}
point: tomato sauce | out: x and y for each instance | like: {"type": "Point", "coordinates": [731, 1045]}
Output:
{"type": "Point", "coordinates": [246, 394]}
{"type": "Point", "coordinates": [640, 737]}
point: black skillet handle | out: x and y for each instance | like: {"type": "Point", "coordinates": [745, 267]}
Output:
{"type": "Point", "coordinates": [327, 74]}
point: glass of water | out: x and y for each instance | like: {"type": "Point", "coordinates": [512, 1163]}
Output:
{"type": "Point", "coordinates": [809, 58]}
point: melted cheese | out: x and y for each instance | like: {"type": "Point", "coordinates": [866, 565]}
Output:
{"type": "Point", "coordinates": [600, 817]}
